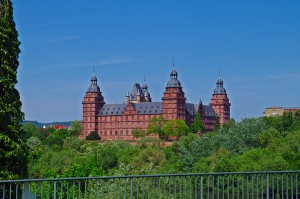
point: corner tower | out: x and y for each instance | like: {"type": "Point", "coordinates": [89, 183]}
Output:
{"type": "Point", "coordinates": [92, 103]}
{"type": "Point", "coordinates": [220, 102]}
{"type": "Point", "coordinates": [173, 100]}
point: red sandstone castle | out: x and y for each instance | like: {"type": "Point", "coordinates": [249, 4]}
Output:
{"type": "Point", "coordinates": [117, 121]}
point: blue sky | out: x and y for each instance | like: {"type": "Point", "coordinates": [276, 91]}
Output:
{"type": "Point", "coordinates": [256, 44]}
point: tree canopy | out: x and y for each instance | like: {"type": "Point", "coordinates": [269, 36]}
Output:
{"type": "Point", "coordinates": [249, 145]}
{"type": "Point", "coordinates": [13, 151]}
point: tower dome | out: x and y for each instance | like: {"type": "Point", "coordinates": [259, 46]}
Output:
{"type": "Point", "coordinates": [219, 88]}
{"type": "Point", "coordinates": [173, 73]}
{"type": "Point", "coordinates": [93, 87]}
{"type": "Point", "coordinates": [220, 81]}
{"type": "Point", "coordinates": [145, 86]}
{"type": "Point", "coordinates": [94, 78]}
{"type": "Point", "coordinates": [173, 82]}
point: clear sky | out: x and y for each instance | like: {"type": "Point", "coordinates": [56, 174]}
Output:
{"type": "Point", "coordinates": [255, 43]}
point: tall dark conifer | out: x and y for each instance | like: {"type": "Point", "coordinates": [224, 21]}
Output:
{"type": "Point", "coordinates": [13, 152]}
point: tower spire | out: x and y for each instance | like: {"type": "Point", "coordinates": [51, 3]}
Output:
{"type": "Point", "coordinates": [219, 73]}
{"type": "Point", "coordinates": [94, 69]}
{"type": "Point", "coordinates": [173, 64]}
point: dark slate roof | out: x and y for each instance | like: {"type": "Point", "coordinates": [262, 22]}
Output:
{"type": "Point", "coordinates": [93, 88]}
{"type": "Point", "coordinates": [148, 108]}
{"type": "Point", "coordinates": [192, 109]}
{"type": "Point", "coordinates": [220, 89]}
{"type": "Point", "coordinates": [209, 111]}
{"type": "Point", "coordinates": [135, 90]}
{"type": "Point", "coordinates": [112, 109]}
{"type": "Point", "coordinates": [141, 108]}
{"type": "Point", "coordinates": [174, 83]}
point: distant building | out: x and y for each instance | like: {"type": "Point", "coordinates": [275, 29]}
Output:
{"type": "Point", "coordinates": [56, 127]}
{"type": "Point", "coordinates": [117, 121]}
{"type": "Point", "coordinates": [275, 110]}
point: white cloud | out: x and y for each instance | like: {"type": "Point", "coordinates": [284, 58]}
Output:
{"type": "Point", "coordinates": [104, 62]}
{"type": "Point", "coordinates": [61, 39]}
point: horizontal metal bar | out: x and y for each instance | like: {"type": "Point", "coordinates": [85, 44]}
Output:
{"type": "Point", "coordinates": [151, 176]}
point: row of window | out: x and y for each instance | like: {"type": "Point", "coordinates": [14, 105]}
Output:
{"type": "Point", "coordinates": [127, 132]}
{"type": "Point", "coordinates": [125, 124]}
{"type": "Point", "coordinates": [125, 118]}
{"type": "Point", "coordinates": [112, 125]}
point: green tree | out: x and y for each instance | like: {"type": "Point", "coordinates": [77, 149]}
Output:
{"type": "Point", "coordinates": [139, 133]}
{"type": "Point", "coordinates": [54, 142]}
{"type": "Point", "coordinates": [28, 130]}
{"type": "Point", "coordinates": [197, 126]}
{"type": "Point", "coordinates": [217, 124]}
{"type": "Point", "coordinates": [13, 151]}
{"type": "Point", "coordinates": [76, 127]}
{"type": "Point", "coordinates": [199, 148]}
{"type": "Point", "coordinates": [148, 161]}
{"type": "Point", "coordinates": [175, 129]}
{"type": "Point", "coordinates": [61, 133]}
{"type": "Point", "coordinates": [75, 144]}
{"type": "Point", "coordinates": [35, 146]}
{"type": "Point", "coordinates": [241, 136]}
{"type": "Point", "coordinates": [156, 125]}
{"type": "Point", "coordinates": [93, 136]}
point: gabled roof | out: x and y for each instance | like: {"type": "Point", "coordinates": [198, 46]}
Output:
{"type": "Point", "coordinates": [192, 109]}
{"type": "Point", "coordinates": [136, 90]}
{"type": "Point", "coordinates": [148, 108]}
{"type": "Point", "coordinates": [112, 109]}
{"type": "Point", "coordinates": [143, 108]}
{"type": "Point", "coordinates": [209, 111]}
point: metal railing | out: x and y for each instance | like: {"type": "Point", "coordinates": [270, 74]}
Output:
{"type": "Point", "coordinates": [273, 184]}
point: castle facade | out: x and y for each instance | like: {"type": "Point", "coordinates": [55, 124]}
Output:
{"type": "Point", "coordinates": [117, 121]}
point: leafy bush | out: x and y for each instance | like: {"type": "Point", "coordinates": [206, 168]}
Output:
{"type": "Point", "coordinates": [93, 136]}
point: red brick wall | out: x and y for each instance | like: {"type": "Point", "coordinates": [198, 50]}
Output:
{"type": "Point", "coordinates": [221, 105]}
{"type": "Point", "coordinates": [120, 127]}
{"type": "Point", "coordinates": [173, 104]}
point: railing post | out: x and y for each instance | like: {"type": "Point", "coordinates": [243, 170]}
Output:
{"type": "Point", "coordinates": [297, 186]}
{"type": "Point", "coordinates": [131, 188]}
{"type": "Point", "coordinates": [267, 188]}
{"type": "Point", "coordinates": [201, 192]}
{"type": "Point", "coordinates": [26, 190]}
{"type": "Point", "coordinates": [54, 190]}
{"type": "Point", "coordinates": [3, 193]}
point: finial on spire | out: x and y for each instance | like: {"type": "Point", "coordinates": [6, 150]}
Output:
{"type": "Point", "coordinates": [144, 78]}
{"type": "Point", "coordinates": [173, 64]}
{"type": "Point", "coordinates": [219, 73]}
{"type": "Point", "coordinates": [93, 69]}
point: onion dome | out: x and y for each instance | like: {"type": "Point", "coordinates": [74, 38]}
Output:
{"type": "Point", "coordinates": [145, 86]}
{"type": "Point", "coordinates": [93, 87]}
{"type": "Point", "coordinates": [220, 82]}
{"type": "Point", "coordinates": [174, 82]}
{"type": "Point", "coordinates": [173, 73]}
{"type": "Point", "coordinates": [94, 78]}
{"type": "Point", "coordinates": [220, 89]}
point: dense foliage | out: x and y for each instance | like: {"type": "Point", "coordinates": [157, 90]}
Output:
{"type": "Point", "coordinates": [13, 151]}
{"type": "Point", "coordinates": [256, 144]}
